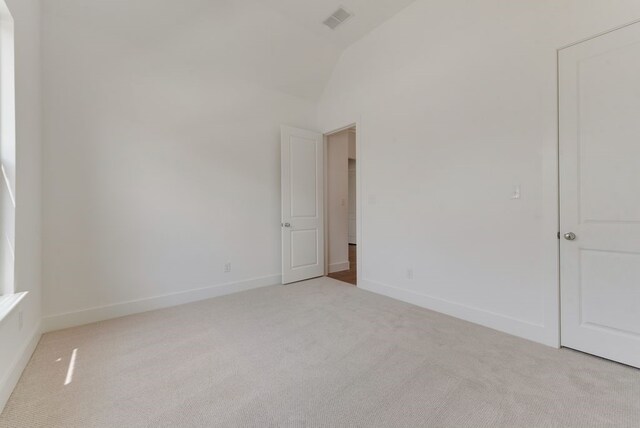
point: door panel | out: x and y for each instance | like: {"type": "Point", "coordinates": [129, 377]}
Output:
{"type": "Point", "coordinates": [600, 195]}
{"type": "Point", "coordinates": [302, 204]}
{"type": "Point", "coordinates": [304, 201]}
{"type": "Point", "coordinates": [609, 134]}
{"type": "Point", "coordinates": [610, 291]}
{"type": "Point", "coordinates": [304, 248]}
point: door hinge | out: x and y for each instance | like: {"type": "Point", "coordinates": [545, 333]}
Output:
{"type": "Point", "coordinates": [558, 235]}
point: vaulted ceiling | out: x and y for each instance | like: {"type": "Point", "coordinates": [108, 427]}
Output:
{"type": "Point", "coordinates": [279, 44]}
{"type": "Point", "coordinates": [367, 14]}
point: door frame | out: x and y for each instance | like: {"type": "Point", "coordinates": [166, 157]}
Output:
{"type": "Point", "coordinates": [558, 168]}
{"type": "Point", "coordinates": [326, 134]}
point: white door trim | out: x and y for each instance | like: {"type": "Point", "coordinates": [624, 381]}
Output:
{"type": "Point", "coordinates": [359, 256]}
{"type": "Point", "coordinates": [586, 39]}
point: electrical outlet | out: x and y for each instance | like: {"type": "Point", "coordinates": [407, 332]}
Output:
{"type": "Point", "coordinates": [409, 273]}
{"type": "Point", "coordinates": [227, 267]}
{"type": "Point", "coordinates": [20, 321]}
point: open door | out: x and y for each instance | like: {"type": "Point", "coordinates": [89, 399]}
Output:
{"type": "Point", "coordinates": [302, 204]}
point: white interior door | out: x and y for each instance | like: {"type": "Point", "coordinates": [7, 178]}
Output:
{"type": "Point", "coordinates": [302, 204]}
{"type": "Point", "coordinates": [600, 195]}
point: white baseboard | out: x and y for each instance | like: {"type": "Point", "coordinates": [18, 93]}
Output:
{"type": "Point", "coordinates": [101, 313]}
{"type": "Point", "coordinates": [339, 267]}
{"type": "Point", "coordinates": [516, 327]}
{"type": "Point", "coordinates": [13, 375]}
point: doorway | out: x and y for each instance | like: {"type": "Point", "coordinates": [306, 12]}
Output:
{"type": "Point", "coordinates": [341, 205]}
{"type": "Point", "coordinates": [599, 162]}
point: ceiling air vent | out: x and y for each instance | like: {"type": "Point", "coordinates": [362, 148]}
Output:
{"type": "Point", "coordinates": [338, 17]}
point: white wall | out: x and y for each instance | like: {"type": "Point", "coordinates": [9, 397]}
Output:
{"type": "Point", "coordinates": [337, 200]}
{"type": "Point", "coordinates": [162, 162]}
{"type": "Point", "coordinates": [456, 102]}
{"type": "Point", "coordinates": [17, 340]}
{"type": "Point", "coordinates": [162, 149]}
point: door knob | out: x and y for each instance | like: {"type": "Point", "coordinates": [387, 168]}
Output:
{"type": "Point", "coordinates": [286, 224]}
{"type": "Point", "coordinates": [570, 236]}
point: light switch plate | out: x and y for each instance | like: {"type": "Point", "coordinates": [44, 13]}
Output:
{"type": "Point", "coordinates": [516, 192]}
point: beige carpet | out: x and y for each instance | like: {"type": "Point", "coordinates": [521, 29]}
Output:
{"type": "Point", "coordinates": [313, 354]}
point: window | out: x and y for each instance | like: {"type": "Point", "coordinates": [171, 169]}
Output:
{"type": "Point", "coordinates": [7, 153]}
